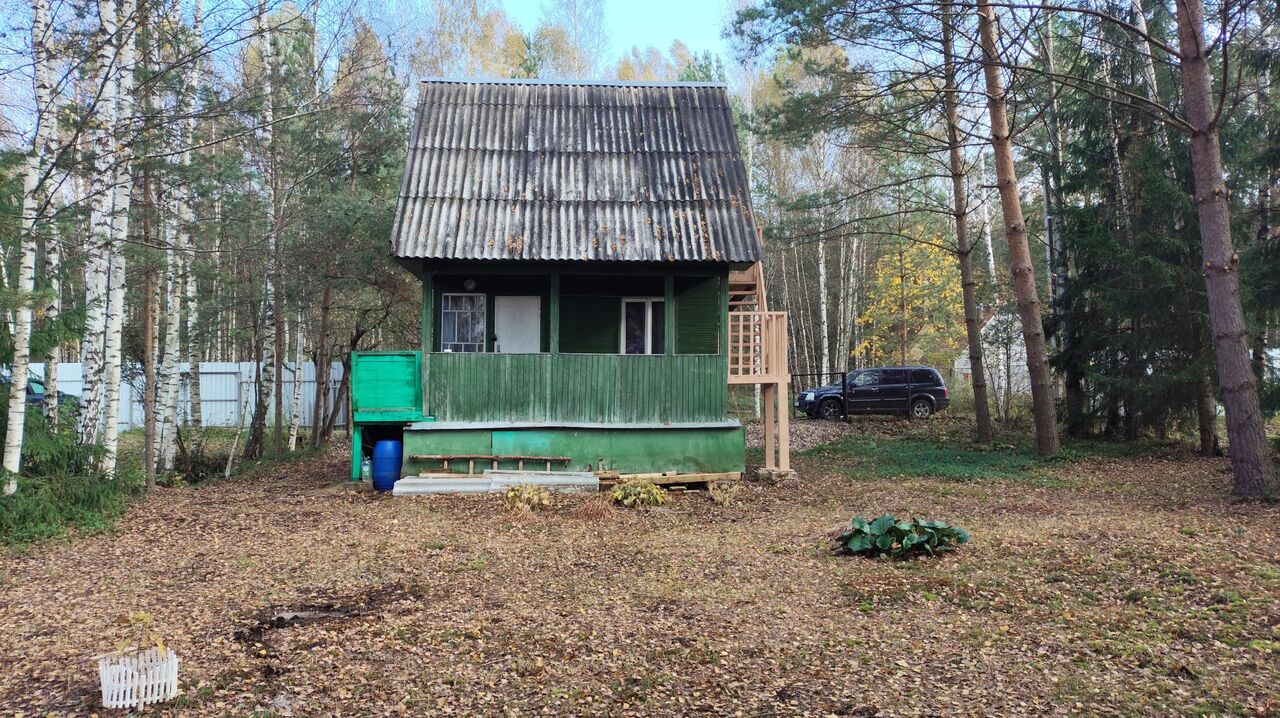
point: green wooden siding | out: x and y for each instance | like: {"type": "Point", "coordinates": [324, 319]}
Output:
{"type": "Point", "coordinates": [606, 388]}
{"type": "Point", "coordinates": [697, 315]}
{"type": "Point", "coordinates": [385, 386]}
{"type": "Point", "coordinates": [683, 449]}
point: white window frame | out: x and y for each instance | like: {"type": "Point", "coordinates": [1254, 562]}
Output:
{"type": "Point", "coordinates": [648, 325]}
{"type": "Point", "coordinates": [484, 317]}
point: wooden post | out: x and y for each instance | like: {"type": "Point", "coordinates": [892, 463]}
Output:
{"type": "Point", "coordinates": [555, 314]}
{"type": "Point", "coordinates": [669, 314]}
{"type": "Point", "coordinates": [428, 333]}
{"type": "Point", "coordinates": [784, 436]}
{"type": "Point", "coordinates": [770, 410]}
{"type": "Point", "coordinates": [783, 373]}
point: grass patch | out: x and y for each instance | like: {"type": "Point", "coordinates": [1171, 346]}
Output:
{"type": "Point", "coordinates": [886, 458]}
{"type": "Point", "coordinates": [926, 451]}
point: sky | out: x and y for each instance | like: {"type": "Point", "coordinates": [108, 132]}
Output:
{"type": "Point", "coordinates": [698, 23]}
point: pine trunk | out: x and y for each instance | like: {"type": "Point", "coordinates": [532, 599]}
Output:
{"type": "Point", "coordinates": [1015, 231]}
{"type": "Point", "coordinates": [964, 252]}
{"type": "Point", "coordinates": [1251, 465]}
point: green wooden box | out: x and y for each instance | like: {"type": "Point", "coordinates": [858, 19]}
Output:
{"type": "Point", "coordinates": [386, 386]}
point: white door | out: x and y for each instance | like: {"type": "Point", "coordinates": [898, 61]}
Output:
{"type": "Point", "coordinates": [517, 325]}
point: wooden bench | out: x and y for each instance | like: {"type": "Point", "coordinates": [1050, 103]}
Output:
{"type": "Point", "coordinates": [493, 460]}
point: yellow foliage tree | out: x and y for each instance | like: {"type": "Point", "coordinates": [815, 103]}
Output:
{"type": "Point", "coordinates": [914, 312]}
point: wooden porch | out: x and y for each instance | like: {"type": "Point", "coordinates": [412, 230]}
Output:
{"type": "Point", "coordinates": [758, 355]}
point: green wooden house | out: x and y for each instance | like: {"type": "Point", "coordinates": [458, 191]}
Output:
{"type": "Point", "coordinates": [579, 245]}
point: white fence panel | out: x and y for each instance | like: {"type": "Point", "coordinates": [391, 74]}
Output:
{"type": "Point", "coordinates": [227, 391]}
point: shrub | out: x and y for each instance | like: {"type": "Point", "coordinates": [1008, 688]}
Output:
{"type": "Point", "coordinates": [526, 497]}
{"type": "Point", "coordinates": [60, 487]}
{"type": "Point", "coordinates": [724, 493]}
{"type": "Point", "coordinates": [637, 492]}
{"type": "Point", "coordinates": [46, 506]}
{"type": "Point", "coordinates": [596, 508]}
{"type": "Point", "coordinates": [887, 536]}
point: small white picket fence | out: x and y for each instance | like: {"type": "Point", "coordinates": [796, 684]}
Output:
{"type": "Point", "coordinates": [133, 679]}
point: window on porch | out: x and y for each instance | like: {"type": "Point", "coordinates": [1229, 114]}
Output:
{"type": "Point", "coordinates": [593, 314]}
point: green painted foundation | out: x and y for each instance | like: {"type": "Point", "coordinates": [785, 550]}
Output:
{"type": "Point", "coordinates": [683, 448]}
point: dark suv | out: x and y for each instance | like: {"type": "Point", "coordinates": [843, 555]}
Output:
{"type": "Point", "coordinates": [918, 390]}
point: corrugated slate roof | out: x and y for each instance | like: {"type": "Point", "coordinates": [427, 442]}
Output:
{"type": "Point", "coordinates": [565, 171]}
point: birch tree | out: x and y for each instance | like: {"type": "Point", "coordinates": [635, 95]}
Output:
{"type": "Point", "coordinates": [97, 250]}
{"type": "Point", "coordinates": [121, 191]}
{"type": "Point", "coordinates": [38, 163]}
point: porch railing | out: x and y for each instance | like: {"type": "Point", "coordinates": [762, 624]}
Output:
{"type": "Point", "coordinates": [757, 347]}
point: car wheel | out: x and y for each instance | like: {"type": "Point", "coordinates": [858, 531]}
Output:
{"type": "Point", "coordinates": [830, 409]}
{"type": "Point", "coordinates": [921, 409]}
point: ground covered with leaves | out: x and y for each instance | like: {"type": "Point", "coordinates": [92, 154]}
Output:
{"type": "Point", "coordinates": [1108, 582]}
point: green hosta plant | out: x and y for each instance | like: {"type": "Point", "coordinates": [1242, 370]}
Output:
{"type": "Point", "coordinates": [637, 492]}
{"type": "Point", "coordinates": [887, 536]}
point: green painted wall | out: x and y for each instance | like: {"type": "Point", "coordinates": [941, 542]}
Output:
{"type": "Point", "coordinates": [605, 388]}
{"type": "Point", "coordinates": [627, 450]}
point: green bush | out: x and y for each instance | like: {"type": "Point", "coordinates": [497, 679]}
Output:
{"type": "Point", "coordinates": [60, 487]}
{"type": "Point", "coordinates": [47, 506]}
{"type": "Point", "coordinates": [634, 492]}
{"type": "Point", "coordinates": [887, 536]}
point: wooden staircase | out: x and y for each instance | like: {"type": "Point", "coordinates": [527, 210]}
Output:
{"type": "Point", "coordinates": [746, 289]}
{"type": "Point", "coordinates": [758, 355]}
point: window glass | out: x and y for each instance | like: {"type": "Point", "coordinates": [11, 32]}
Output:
{"type": "Point", "coordinates": [462, 322]}
{"type": "Point", "coordinates": [643, 330]}
{"type": "Point", "coordinates": [893, 376]}
{"type": "Point", "coordinates": [922, 376]}
{"type": "Point", "coordinates": [633, 318]}
{"type": "Point", "coordinates": [866, 378]}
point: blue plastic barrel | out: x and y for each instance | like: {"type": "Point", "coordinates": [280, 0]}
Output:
{"type": "Point", "coordinates": [386, 464]}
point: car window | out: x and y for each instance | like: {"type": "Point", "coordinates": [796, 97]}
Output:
{"type": "Point", "coordinates": [893, 376]}
{"type": "Point", "coordinates": [923, 376]}
{"type": "Point", "coordinates": [865, 378]}
{"type": "Point", "coordinates": [36, 387]}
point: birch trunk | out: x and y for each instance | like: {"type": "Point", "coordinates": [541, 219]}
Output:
{"type": "Point", "coordinates": [1149, 72]}
{"type": "Point", "coordinates": [267, 378]}
{"type": "Point", "coordinates": [295, 406]}
{"type": "Point", "coordinates": [121, 191]}
{"type": "Point", "coordinates": [168, 379]}
{"type": "Point", "coordinates": [824, 328]}
{"type": "Point", "coordinates": [32, 187]}
{"type": "Point", "coordinates": [964, 252]}
{"type": "Point", "coordinates": [1015, 232]}
{"type": "Point", "coordinates": [1251, 466]}
{"type": "Point", "coordinates": [186, 219]}
{"type": "Point", "coordinates": [98, 245]}
{"type": "Point", "coordinates": [985, 214]}
{"type": "Point", "coordinates": [52, 311]}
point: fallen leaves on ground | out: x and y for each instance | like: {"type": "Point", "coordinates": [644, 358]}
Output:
{"type": "Point", "coordinates": [1137, 588]}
